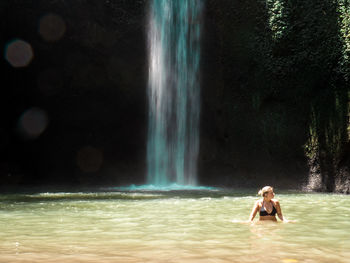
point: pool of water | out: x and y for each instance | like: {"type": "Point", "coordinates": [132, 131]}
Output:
{"type": "Point", "coordinates": [171, 226]}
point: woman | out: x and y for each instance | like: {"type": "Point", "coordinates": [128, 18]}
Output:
{"type": "Point", "coordinates": [267, 207]}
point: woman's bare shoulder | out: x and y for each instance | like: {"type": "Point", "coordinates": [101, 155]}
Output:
{"type": "Point", "coordinates": [275, 201]}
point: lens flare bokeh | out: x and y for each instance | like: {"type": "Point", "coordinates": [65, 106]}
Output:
{"type": "Point", "coordinates": [19, 53]}
{"type": "Point", "coordinates": [89, 159]}
{"type": "Point", "coordinates": [52, 27]}
{"type": "Point", "coordinates": [33, 123]}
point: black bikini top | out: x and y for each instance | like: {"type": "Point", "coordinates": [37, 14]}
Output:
{"type": "Point", "coordinates": [263, 212]}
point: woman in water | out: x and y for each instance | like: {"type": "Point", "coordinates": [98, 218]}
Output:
{"type": "Point", "coordinates": [267, 207]}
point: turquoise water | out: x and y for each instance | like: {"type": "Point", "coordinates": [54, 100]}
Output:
{"type": "Point", "coordinates": [173, 91]}
{"type": "Point", "coordinates": [171, 226]}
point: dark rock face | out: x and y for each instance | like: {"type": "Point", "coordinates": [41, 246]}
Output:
{"type": "Point", "coordinates": [89, 77]}
{"type": "Point", "coordinates": [77, 113]}
{"type": "Point", "coordinates": [253, 131]}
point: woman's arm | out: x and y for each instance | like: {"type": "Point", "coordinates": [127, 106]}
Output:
{"type": "Point", "coordinates": [254, 211]}
{"type": "Point", "coordinates": [279, 211]}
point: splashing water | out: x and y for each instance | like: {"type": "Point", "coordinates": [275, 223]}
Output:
{"type": "Point", "coordinates": [174, 53]}
{"type": "Point", "coordinates": [169, 187]}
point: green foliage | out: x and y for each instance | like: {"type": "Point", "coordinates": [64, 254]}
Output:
{"type": "Point", "coordinates": [344, 24]}
{"type": "Point", "coordinates": [279, 13]}
{"type": "Point", "coordinates": [286, 70]}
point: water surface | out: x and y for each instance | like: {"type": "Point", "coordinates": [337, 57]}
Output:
{"type": "Point", "coordinates": [171, 226]}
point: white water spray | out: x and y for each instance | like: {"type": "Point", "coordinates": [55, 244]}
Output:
{"type": "Point", "coordinates": [173, 91]}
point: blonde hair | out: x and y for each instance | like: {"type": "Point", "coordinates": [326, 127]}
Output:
{"type": "Point", "coordinates": [265, 190]}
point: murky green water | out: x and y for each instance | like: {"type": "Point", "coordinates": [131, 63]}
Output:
{"type": "Point", "coordinates": [176, 226]}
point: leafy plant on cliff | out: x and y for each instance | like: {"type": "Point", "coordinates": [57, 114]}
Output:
{"type": "Point", "coordinates": [285, 78]}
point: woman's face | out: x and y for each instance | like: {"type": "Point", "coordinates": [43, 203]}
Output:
{"type": "Point", "coordinates": [270, 194]}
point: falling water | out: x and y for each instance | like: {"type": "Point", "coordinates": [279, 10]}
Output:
{"type": "Point", "coordinates": [174, 53]}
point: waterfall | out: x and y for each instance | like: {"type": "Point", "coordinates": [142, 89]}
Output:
{"type": "Point", "coordinates": [173, 91]}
